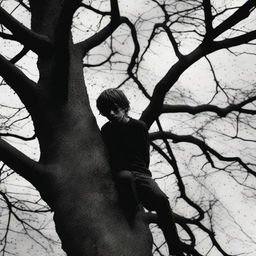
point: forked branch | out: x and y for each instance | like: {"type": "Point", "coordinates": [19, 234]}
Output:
{"type": "Point", "coordinates": [203, 146]}
{"type": "Point", "coordinates": [104, 33]}
{"type": "Point", "coordinates": [222, 112]}
{"type": "Point", "coordinates": [40, 44]}
{"type": "Point", "coordinates": [19, 82]}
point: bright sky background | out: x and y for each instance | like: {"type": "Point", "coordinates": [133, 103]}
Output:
{"type": "Point", "coordinates": [198, 82]}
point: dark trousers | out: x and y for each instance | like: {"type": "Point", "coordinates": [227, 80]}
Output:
{"type": "Point", "coordinates": [138, 188]}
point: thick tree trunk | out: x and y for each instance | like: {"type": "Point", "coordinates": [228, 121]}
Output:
{"type": "Point", "coordinates": [82, 195]}
{"type": "Point", "coordinates": [77, 183]}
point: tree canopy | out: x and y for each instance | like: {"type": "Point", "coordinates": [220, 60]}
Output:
{"type": "Point", "coordinates": [188, 69]}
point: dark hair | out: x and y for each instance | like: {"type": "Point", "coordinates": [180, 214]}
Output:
{"type": "Point", "coordinates": [112, 98]}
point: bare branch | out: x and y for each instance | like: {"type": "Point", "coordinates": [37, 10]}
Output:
{"type": "Point", "coordinates": [181, 185]}
{"type": "Point", "coordinates": [19, 82]}
{"type": "Point", "coordinates": [7, 36]}
{"type": "Point", "coordinates": [211, 234]}
{"type": "Point", "coordinates": [17, 136]}
{"type": "Point", "coordinates": [100, 63]}
{"type": "Point", "coordinates": [19, 162]}
{"type": "Point", "coordinates": [222, 112]}
{"type": "Point", "coordinates": [135, 55]}
{"type": "Point", "coordinates": [242, 13]}
{"type": "Point", "coordinates": [20, 55]}
{"type": "Point", "coordinates": [202, 145]}
{"type": "Point", "coordinates": [208, 16]}
{"type": "Point", "coordinates": [150, 217]}
{"type": "Point", "coordinates": [103, 34]}
{"type": "Point", "coordinates": [153, 110]}
{"type": "Point", "coordinates": [235, 41]}
{"type": "Point", "coordinates": [24, 5]}
{"type": "Point", "coordinates": [89, 7]}
{"type": "Point", "coordinates": [40, 44]}
{"type": "Point", "coordinates": [173, 41]}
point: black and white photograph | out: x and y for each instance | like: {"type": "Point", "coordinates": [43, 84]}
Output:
{"type": "Point", "coordinates": [127, 128]}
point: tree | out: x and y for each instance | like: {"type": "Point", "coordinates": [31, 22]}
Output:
{"type": "Point", "coordinates": [78, 187]}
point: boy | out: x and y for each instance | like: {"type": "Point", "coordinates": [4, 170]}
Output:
{"type": "Point", "coordinates": [128, 145]}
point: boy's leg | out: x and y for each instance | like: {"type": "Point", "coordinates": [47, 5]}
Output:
{"type": "Point", "coordinates": [153, 198]}
{"type": "Point", "coordinates": [167, 224]}
{"type": "Point", "coordinates": [127, 192]}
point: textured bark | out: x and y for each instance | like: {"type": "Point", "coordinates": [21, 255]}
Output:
{"type": "Point", "coordinates": [74, 177]}
{"type": "Point", "coordinates": [78, 183]}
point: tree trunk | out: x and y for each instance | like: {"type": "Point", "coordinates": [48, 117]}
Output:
{"type": "Point", "coordinates": [82, 195]}
{"type": "Point", "coordinates": [77, 181]}
{"type": "Point", "coordinates": [73, 174]}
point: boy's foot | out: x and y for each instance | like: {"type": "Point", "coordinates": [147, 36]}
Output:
{"type": "Point", "coordinates": [179, 250]}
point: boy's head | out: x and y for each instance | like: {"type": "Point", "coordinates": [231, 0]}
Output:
{"type": "Point", "coordinates": [112, 100]}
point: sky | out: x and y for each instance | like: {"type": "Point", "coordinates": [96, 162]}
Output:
{"type": "Point", "coordinates": [195, 86]}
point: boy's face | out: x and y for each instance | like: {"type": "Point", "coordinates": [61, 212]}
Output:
{"type": "Point", "coordinates": [115, 114]}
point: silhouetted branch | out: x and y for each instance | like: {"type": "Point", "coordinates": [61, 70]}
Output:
{"type": "Point", "coordinates": [24, 5]}
{"type": "Point", "coordinates": [20, 55]}
{"type": "Point", "coordinates": [211, 234]}
{"type": "Point", "coordinates": [89, 7]}
{"type": "Point", "coordinates": [222, 112]}
{"type": "Point", "coordinates": [4, 238]}
{"type": "Point", "coordinates": [242, 13]}
{"type": "Point", "coordinates": [182, 188]}
{"type": "Point", "coordinates": [208, 16]}
{"type": "Point", "coordinates": [100, 63]}
{"type": "Point", "coordinates": [19, 82]}
{"type": "Point", "coordinates": [7, 36]}
{"type": "Point", "coordinates": [104, 33]}
{"type": "Point", "coordinates": [173, 41]}
{"type": "Point", "coordinates": [201, 144]}
{"type": "Point", "coordinates": [235, 41]}
{"type": "Point", "coordinates": [218, 85]}
{"type": "Point", "coordinates": [17, 136]}
{"type": "Point", "coordinates": [26, 224]}
{"type": "Point", "coordinates": [134, 58]}
{"type": "Point", "coordinates": [19, 162]}
{"type": "Point", "coordinates": [40, 44]}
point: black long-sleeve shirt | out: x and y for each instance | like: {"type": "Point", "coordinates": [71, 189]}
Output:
{"type": "Point", "coordinates": [128, 145]}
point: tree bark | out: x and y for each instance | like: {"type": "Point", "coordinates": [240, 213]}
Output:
{"type": "Point", "coordinates": [77, 182]}
{"type": "Point", "coordinates": [73, 175]}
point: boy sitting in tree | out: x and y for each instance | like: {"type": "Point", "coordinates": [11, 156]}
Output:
{"type": "Point", "coordinates": [127, 141]}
